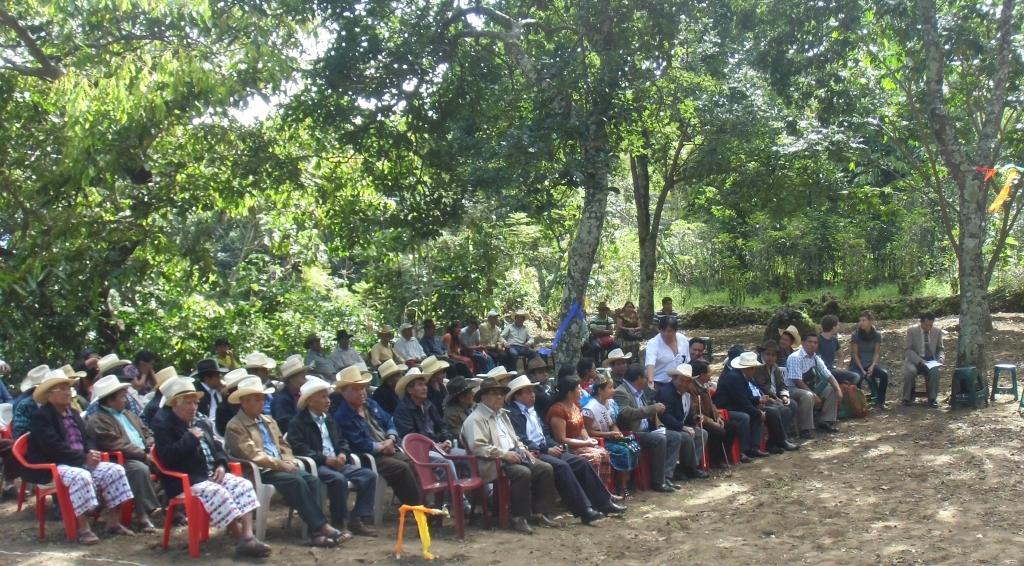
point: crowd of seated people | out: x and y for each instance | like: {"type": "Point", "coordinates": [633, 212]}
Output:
{"type": "Point", "coordinates": [581, 436]}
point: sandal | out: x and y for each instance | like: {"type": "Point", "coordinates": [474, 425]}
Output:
{"type": "Point", "coordinates": [323, 541]}
{"type": "Point", "coordinates": [253, 548]}
{"type": "Point", "coordinates": [120, 529]}
{"type": "Point", "coordinates": [144, 527]}
{"type": "Point", "coordinates": [343, 536]}
{"type": "Point", "coordinates": [88, 538]}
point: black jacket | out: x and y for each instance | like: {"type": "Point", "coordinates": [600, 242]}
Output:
{"type": "Point", "coordinates": [149, 411]}
{"type": "Point", "coordinates": [733, 394]}
{"type": "Point", "coordinates": [544, 400]}
{"type": "Point", "coordinates": [518, 418]}
{"type": "Point", "coordinates": [386, 398]}
{"type": "Point", "coordinates": [47, 444]}
{"type": "Point", "coordinates": [674, 417]}
{"type": "Point", "coordinates": [409, 418]}
{"type": "Point", "coordinates": [179, 451]}
{"type": "Point", "coordinates": [306, 441]}
{"type": "Point", "coordinates": [225, 412]}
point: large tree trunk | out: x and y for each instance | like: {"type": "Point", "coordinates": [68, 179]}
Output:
{"type": "Point", "coordinates": [647, 236]}
{"type": "Point", "coordinates": [974, 306]}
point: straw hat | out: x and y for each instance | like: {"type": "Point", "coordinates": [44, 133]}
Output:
{"type": "Point", "coordinates": [516, 384]}
{"type": "Point", "coordinates": [312, 385]}
{"type": "Point", "coordinates": [491, 313]}
{"type": "Point", "coordinates": [178, 388]}
{"type": "Point", "coordinates": [431, 365]}
{"type": "Point", "coordinates": [499, 373]}
{"type": "Point", "coordinates": [616, 355]}
{"type": "Point", "coordinates": [35, 375]}
{"type": "Point", "coordinates": [292, 365]}
{"type": "Point", "coordinates": [53, 378]}
{"type": "Point", "coordinates": [111, 361]}
{"type": "Point", "coordinates": [405, 326]}
{"type": "Point", "coordinates": [489, 384]}
{"type": "Point", "coordinates": [390, 368]}
{"type": "Point", "coordinates": [520, 313]}
{"type": "Point", "coordinates": [685, 370]}
{"type": "Point", "coordinates": [259, 360]}
{"type": "Point", "coordinates": [70, 372]}
{"type": "Point", "coordinates": [232, 378]}
{"type": "Point", "coordinates": [744, 360]}
{"type": "Point", "coordinates": [250, 385]}
{"type": "Point", "coordinates": [535, 364]}
{"type": "Point", "coordinates": [793, 332]}
{"type": "Point", "coordinates": [352, 375]}
{"type": "Point", "coordinates": [163, 375]}
{"type": "Point", "coordinates": [410, 376]}
{"type": "Point", "coordinates": [106, 386]}
{"type": "Point", "coordinates": [386, 330]}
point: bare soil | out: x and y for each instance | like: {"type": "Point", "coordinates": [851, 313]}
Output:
{"type": "Point", "coordinates": [908, 486]}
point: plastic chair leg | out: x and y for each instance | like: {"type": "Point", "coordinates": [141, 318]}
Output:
{"type": "Point", "coordinates": [41, 515]}
{"type": "Point", "coordinates": [22, 492]}
{"type": "Point", "coordinates": [67, 515]}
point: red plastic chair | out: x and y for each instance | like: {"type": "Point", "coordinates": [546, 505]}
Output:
{"type": "Point", "coordinates": [198, 518]}
{"type": "Point", "coordinates": [57, 487]}
{"type": "Point", "coordinates": [418, 447]}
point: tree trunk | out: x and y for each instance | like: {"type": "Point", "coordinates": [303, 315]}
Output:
{"type": "Point", "coordinates": [647, 237]}
{"type": "Point", "coordinates": [974, 304]}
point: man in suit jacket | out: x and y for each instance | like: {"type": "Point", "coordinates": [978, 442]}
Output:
{"type": "Point", "coordinates": [576, 481]}
{"type": "Point", "coordinates": [680, 416]}
{"type": "Point", "coordinates": [313, 434]}
{"type": "Point", "coordinates": [638, 413]}
{"type": "Point", "coordinates": [737, 393]}
{"type": "Point", "coordinates": [924, 344]}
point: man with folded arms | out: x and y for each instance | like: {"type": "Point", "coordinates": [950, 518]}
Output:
{"type": "Point", "coordinates": [639, 414]}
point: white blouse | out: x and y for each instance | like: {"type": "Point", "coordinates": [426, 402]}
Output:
{"type": "Point", "coordinates": [663, 359]}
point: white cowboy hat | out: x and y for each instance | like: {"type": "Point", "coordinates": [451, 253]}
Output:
{"type": "Point", "coordinates": [54, 377]}
{"type": "Point", "coordinates": [516, 384]}
{"type": "Point", "coordinates": [389, 368]}
{"type": "Point", "coordinates": [685, 370]}
{"type": "Point", "coordinates": [431, 365]}
{"type": "Point", "coordinates": [617, 354]}
{"type": "Point", "coordinates": [111, 361]}
{"type": "Point", "coordinates": [499, 373]}
{"type": "Point", "coordinates": [409, 377]}
{"type": "Point", "coordinates": [311, 386]}
{"type": "Point", "coordinates": [352, 375]}
{"type": "Point", "coordinates": [259, 360]}
{"type": "Point", "coordinates": [793, 332]}
{"type": "Point", "coordinates": [232, 377]}
{"type": "Point", "coordinates": [106, 386]}
{"type": "Point", "coordinates": [251, 385]}
{"type": "Point", "coordinates": [491, 313]}
{"type": "Point", "coordinates": [292, 365]}
{"type": "Point", "coordinates": [177, 388]}
{"type": "Point", "coordinates": [34, 377]}
{"type": "Point", "coordinates": [405, 326]}
{"type": "Point", "coordinates": [163, 375]}
{"type": "Point", "coordinates": [745, 360]}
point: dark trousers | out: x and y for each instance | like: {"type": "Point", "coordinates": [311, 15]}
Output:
{"type": "Point", "coordinates": [663, 450]}
{"type": "Point", "coordinates": [12, 469]}
{"type": "Point", "coordinates": [843, 376]}
{"type": "Point", "coordinates": [774, 419]}
{"type": "Point", "coordinates": [749, 430]}
{"type": "Point", "coordinates": [397, 471]}
{"type": "Point", "coordinates": [301, 491]}
{"type": "Point", "coordinates": [336, 482]}
{"type": "Point", "coordinates": [533, 487]}
{"type": "Point", "coordinates": [721, 439]}
{"type": "Point", "coordinates": [456, 367]}
{"type": "Point", "coordinates": [879, 381]}
{"type": "Point", "coordinates": [515, 352]}
{"type": "Point", "coordinates": [578, 484]}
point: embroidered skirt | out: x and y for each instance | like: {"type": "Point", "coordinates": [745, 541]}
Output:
{"type": "Point", "coordinates": [226, 501]}
{"type": "Point", "coordinates": [106, 480]}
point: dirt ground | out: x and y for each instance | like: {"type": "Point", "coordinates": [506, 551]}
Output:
{"type": "Point", "coordinates": [906, 486]}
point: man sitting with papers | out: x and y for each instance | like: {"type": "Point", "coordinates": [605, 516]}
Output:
{"type": "Point", "coordinates": [925, 356]}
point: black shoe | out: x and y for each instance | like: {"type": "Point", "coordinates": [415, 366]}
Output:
{"type": "Point", "coordinates": [757, 454]}
{"type": "Point", "coordinates": [613, 508]}
{"type": "Point", "coordinates": [673, 485]}
{"type": "Point", "coordinates": [775, 450]}
{"type": "Point", "coordinates": [697, 473]}
{"type": "Point", "coordinates": [933, 405]}
{"type": "Point", "coordinates": [663, 488]}
{"type": "Point", "coordinates": [545, 521]}
{"type": "Point", "coordinates": [590, 516]}
{"type": "Point", "coordinates": [908, 403]}
{"type": "Point", "coordinates": [787, 445]}
{"type": "Point", "coordinates": [744, 459]}
{"type": "Point", "coordinates": [806, 434]}
{"type": "Point", "coordinates": [520, 524]}
{"type": "Point", "coordinates": [828, 427]}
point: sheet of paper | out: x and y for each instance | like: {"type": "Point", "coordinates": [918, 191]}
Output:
{"type": "Point", "coordinates": [933, 364]}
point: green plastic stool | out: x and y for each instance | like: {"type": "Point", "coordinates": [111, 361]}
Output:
{"type": "Point", "coordinates": [967, 380]}
{"type": "Point", "coordinates": [1004, 368]}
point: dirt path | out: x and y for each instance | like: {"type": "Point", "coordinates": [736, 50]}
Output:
{"type": "Point", "coordinates": [907, 486]}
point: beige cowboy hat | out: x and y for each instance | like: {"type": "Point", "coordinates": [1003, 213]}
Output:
{"type": "Point", "coordinates": [386, 330]}
{"type": "Point", "coordinates": [616, 355]}
{"type": "Point", "coordinates": [179, 388]}
{"type": "Point", "coordinates": [487, 385]}
{"type": "Point", "coordinates": [106, 386]}
{"type": "Point", "coordinates": [499, 373]}
{"type": "Point", "coordinates": [431, 365]}
{"type": "Point", "coordinates": [34, 377]}
{"type": "Point", "coordinates": [232, 378]}
{"type": "Point", "coordinates": [292, 365]}
{"type": "Point", "coordinates": [53, 378]}
{"type": "Point", "coordinates": [516, 384]}
{"type": "Point", "coordinates": [491, 313]}
{"type": "Point", "coordinates": [685, 370]}
{"type": "Point", "coordinates": [259, 360]}
{"type": "Point", "coordinates": [312, 385]}
{"type": "Point", "coordinates": [111, 361]}
{"type": "Point", "coordinates": [744, 360]}
{"type": "Point", "coordinates": [71, 373]}
{"type": "Point", "coordinates": [536, 363]}
{"type": "Point", "coordinates": [793, 332]}
{"type": "Point", "coordinates": [352, 375]}
{"type": "Point", "coordinates": [163, 375]}
{"type": "Point", "coordinates": [521, 313]}
{"type": "Point", "coordinates": [250, 385]}
{"type": "Point", "coordinates": [390, 368]}
{"type": "Point", "coordinates": [409, 377]}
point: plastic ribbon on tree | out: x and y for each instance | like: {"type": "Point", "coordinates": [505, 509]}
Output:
{"type": "Point", "coordinates": [1012, 174]}
{"type": "Point", "coordinates": [419, 512]}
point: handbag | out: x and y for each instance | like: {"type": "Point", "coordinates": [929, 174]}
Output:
{"type": "Point", "coordinates": [624, 453]}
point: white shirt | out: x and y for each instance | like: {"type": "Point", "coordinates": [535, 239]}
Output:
{"type": "Point", "coordinates": [663, 359]}
{"type": "Point", "coordinates": [516, 335]}
{"type": "Point", "coordinates": [409, 349]}
{"type": "Point", "coordinates": [534, 432]}
{"type": "Point", "coordinates": [799, 362]}
{"type": "Point", "coordinates": [344, 358]}
{"type": "Point", "coordinates": [214, 399]}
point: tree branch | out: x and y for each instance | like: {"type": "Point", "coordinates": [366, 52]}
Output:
{"type": "Point", "coordinates": [47, 69]}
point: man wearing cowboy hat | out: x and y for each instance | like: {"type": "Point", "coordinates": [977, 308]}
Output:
{"type": "Point", "coordinates": [539, 372]}
{"type": "Point", "coordinates": [318, 362]}
{"type": "Point", "coordinates": [737, 393]}
{"type": "Point", "coordinates": [639, 413]}
{"type": "Point", "coordinates": [489, 435]}
{"type": "Point", "coordinates": [114, 429]}
{"type": "Point", "coordinates": [24, 406]}
{"type": "Point", "coordinates": [370, 430]}
{"type": "Point", "coordinates": [578, 484]}
{"type": "Point", "coordinates": [459, 402]}
{"type": "Point", "coordinates": [490, 336]}
{"type": "Point", "coordinates": [156, 400]}
{"type": "Point", "coordinates": [618, 362]}
{"type": "Point", "coordinates": [313, 434]}
{"type": "Point", "coordinates": [254, 437]}
{"type": "Point", "coordinates": [771, 380]}
{"type": "Point", "coordinates": [210, 376]}
{"type": "Point", "coordinates": [285, 403]}
{"type": "Point", "coordinates": [408, 347]}
{"type": "Point", "coordinates": [383, 350]}
{"type": "Point", "coordinates": [517, 340]}
{"type": "Point", "coordinates": [344, 355]}
{"type": "Point", "coordinates": [680, 416]}
{"type": "Point", "coordinates": [385, 395]}
{"type": "Point", "coordinates": [801, 367]}
{"type": "Point", "coordinates": [602, 330]}
{"type": "Point", "coordinates": [227, 411]}
{"type": "Point", "coordinates": [259, 364]}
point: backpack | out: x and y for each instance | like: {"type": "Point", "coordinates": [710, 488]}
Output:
{"type": "Point", "coordinates": [855, 404]}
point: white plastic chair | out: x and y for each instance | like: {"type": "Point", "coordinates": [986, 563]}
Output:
{"type": "Point", "coordinates": [380, 497]}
